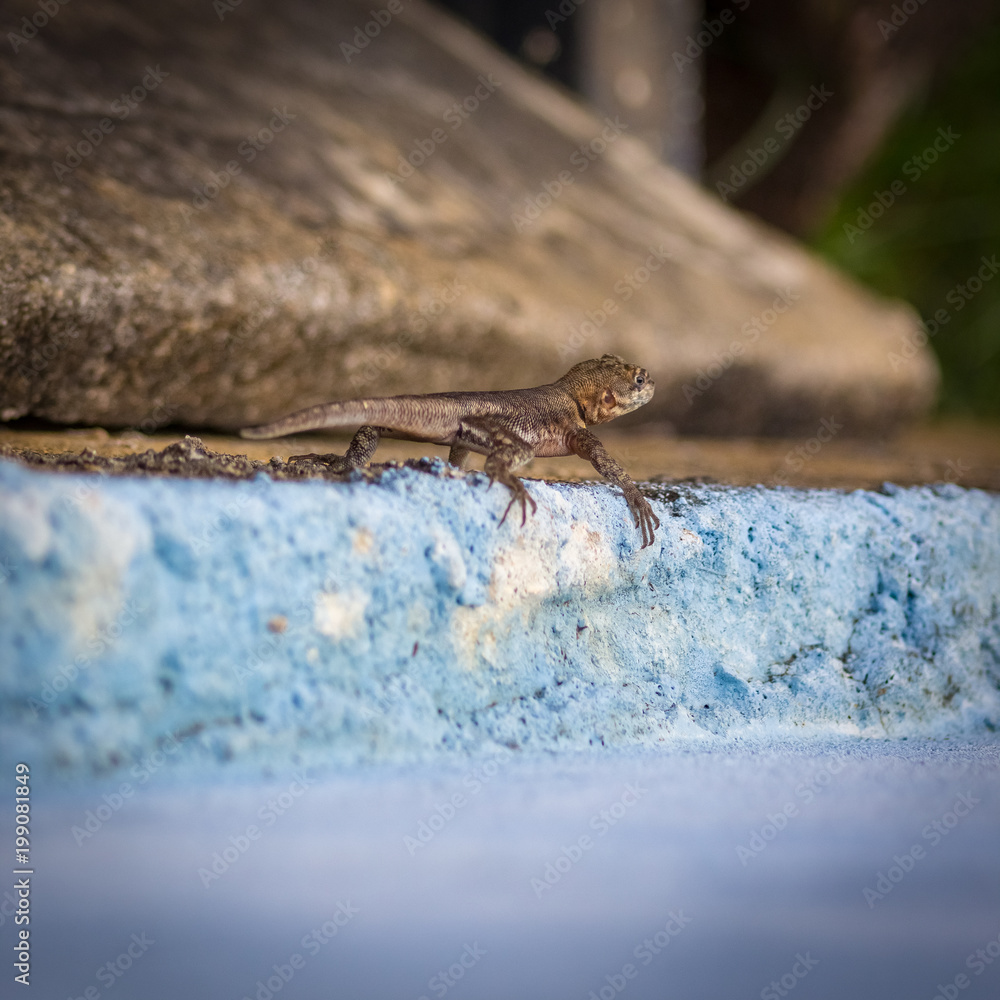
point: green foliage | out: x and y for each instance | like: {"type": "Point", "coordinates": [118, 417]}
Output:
{"type": "Point", "coordinates": [929, 244]}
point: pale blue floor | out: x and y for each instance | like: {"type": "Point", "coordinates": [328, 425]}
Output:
{"type": "Point", "coordinates": [850, 808]}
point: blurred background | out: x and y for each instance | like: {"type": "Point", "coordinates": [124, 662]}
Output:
{"type": "Point", "coordinates": [906, 106]}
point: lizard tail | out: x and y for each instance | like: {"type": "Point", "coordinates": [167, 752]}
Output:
{"type": "Point", "coordinates": [407, 414]}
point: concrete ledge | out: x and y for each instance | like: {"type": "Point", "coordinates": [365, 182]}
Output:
{"type": "Point", "coordinates": [270, 624]}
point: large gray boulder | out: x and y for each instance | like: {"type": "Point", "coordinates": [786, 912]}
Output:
{"type": "Point", "coordinates": [212, 214]}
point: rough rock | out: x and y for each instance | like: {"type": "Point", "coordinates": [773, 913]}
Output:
{"type": "Point", "coordinates": [209, 216]}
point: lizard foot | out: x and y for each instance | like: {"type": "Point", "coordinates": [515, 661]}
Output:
{"type": "Point", "coordinates": [522, 496]}
{"type": "Point", "coordinates": [645, 519]}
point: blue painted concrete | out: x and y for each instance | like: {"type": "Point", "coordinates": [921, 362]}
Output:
{"type": "Point", "coordinates": [268, 624]}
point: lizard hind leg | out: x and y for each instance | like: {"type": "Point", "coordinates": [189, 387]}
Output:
{"type": "Point", "coordinates": [509, 453]}
{"type": "Point", "coordinates": [359, 453]}
{"type": "Point", "coordinates": [521, 495]}
{"type": "Point", "coordinates": [505, 451]}
{"type": "Point", "coordinates": [459, 456]}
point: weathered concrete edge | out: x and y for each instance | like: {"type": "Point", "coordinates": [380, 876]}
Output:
{"type": "Point", "coordinates": [259, 625]}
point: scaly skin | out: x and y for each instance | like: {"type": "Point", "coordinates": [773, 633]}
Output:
{"type": "Point", "coordinates": [509, 427]}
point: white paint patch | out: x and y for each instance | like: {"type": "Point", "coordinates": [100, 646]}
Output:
{"type": "Point", "coordinates": [418, 618]}
{"type": "Point", "coordinates": [114, 533]}
{"type": "Point", "coordinates": [691, 545]}
{"type": "Point", "coordinates": [744, 664]}
{"type": "Point", "coordinates": [520, 572]}
{"type": "Point", "coordinates": [588, 559]}
{"type": "Point", "coordinates": [339, 615]}
{"type": "Point", "coordinates": [363, 541]}
{"type": "Point", "coordinates": [534, 567]}
{"type": "Point", "coordinates": [27, 520]}
{"type": "Point", "coordinates": [684, 727]}
{"type": "Point", "coordinates": [447, 555]}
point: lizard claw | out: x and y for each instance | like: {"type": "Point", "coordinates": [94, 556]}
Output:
{"type": "Point", "coordinates": [525, 498]}
{"type": "Point", "coordinates": [644, 518]}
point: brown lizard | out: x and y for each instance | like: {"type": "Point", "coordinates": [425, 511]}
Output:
{"type": "Point", "coordinates": [509, 427]}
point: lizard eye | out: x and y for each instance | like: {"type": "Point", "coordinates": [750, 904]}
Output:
{"type": "Point", "coordinates": [640, 380]}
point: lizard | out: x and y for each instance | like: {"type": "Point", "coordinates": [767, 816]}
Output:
{"type": "Point", "coordinates": [509, 427]}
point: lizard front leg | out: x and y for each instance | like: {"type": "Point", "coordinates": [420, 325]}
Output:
{"type": "Point", "coordinates": [505, 452]}
{"type": "Point", "coordinates": [588, 446]}
{"type": "Point", "coordinates": [360, 452]}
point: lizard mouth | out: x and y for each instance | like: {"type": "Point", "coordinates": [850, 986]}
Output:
{"type": "Point", "coordinates": [641, 396]}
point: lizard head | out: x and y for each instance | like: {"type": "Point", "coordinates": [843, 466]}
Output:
{"type": "Point", "coordinates": [607, 387]}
